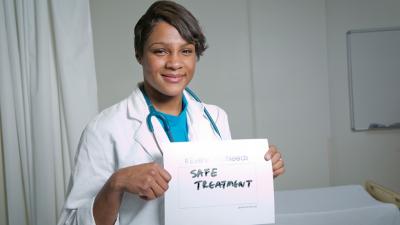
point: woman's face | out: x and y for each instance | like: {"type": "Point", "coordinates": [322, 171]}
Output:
{"type": "Point", "coordinates": [168, 62]}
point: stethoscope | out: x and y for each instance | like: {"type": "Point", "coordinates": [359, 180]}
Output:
{"type": "Point", "coordinates": [164, 121]}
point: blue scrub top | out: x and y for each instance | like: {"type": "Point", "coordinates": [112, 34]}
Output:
{"type": "Point", "coordinates": [178, 124]}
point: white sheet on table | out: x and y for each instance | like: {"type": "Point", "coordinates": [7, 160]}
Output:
{"type": "Point", "coordinates": [341, 205]}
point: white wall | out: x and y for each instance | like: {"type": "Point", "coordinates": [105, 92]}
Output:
{"type": "Point", "coordinates": [278, 68]}
{"type": "Point", "coordinates": [358, 156]}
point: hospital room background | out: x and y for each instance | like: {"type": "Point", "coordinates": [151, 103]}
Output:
{"type": "Point", "coordinates": [279, 69]}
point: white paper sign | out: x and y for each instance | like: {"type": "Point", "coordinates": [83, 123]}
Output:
{"type": "Point", "coordinates": [219, 182]}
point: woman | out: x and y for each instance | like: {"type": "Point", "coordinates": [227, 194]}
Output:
{"type": "Point", "coordinates": [117, 178]}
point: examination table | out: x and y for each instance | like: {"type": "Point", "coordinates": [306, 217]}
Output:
{"type": "Point", "coordinates": [340, 205]}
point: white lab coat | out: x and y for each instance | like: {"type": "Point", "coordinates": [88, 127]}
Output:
{"type": "Point", "coordinates": [119, 137]}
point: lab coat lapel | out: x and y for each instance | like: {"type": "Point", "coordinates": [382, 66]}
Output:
{"type": "Point", "coordinates": [138, 110]}
{"type": "Point", "coordinates": [147, 140]}
{"type": "Point", "coordinates": [198, 123]}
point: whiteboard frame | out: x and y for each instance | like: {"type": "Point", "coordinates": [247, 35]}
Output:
{"type": "Point", "coordinates": [350, 75]}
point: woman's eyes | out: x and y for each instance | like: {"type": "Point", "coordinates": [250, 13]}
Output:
{"type": "Point", "coordinates": [162, 52]}
{"type": "Point", "coordinates": [187, 51]}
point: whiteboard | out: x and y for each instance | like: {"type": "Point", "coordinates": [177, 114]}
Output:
{"type": "Point", "coordinates": [374, 78]}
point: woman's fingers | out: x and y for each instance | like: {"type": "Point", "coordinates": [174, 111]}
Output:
{"type": "Point", "coordinates": [276, 158]}
{"type": "Point", "coordinates": [152, 190]}
{"type": "Point", "coordinates": [271, 152]}
{"type": "Point", "coordinates": [148, 181]}
{"type": "Point", "coordinates": [278, 166]}
{"type": "Point", "coordinates": [164, 174]}
{"type": "Point", "coordinates": [279, 171]}
{"type": "Point", "coordinates": [162, 182]}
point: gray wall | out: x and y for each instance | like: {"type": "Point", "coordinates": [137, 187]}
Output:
{"type": "Point", "coordinates": [291, 86]}
{"type": "Point", "coordinates": [278, 67]}
{"type": "Point", "coordinates": [358, 156]}
{"type": "Point", "coordinates": [3, 215]}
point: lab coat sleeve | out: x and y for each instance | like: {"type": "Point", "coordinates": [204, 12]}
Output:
{"type": "Point", "coordinates": [93, 167]}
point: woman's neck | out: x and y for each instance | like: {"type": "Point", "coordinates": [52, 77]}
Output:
{"type": "Point", "coordinates": [167, 104]}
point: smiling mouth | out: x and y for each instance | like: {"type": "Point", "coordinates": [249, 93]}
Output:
{"type": "Point", "coordinates": [172, 78]}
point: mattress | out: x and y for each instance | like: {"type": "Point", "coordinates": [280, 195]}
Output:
{"type": "Point", "coordinates": [340, 205]}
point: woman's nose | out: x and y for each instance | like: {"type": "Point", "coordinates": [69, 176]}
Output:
{"type": "Point", "coordinates": [174, 62]}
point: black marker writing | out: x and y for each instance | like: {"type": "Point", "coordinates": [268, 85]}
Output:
{"type": "Point", "coordinates": [203, 184]}
{"type": "Point", "coordinates": [204, 172]}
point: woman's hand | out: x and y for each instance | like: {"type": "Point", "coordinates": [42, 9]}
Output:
{"type": "Point", "coordinates": [148, 181]}
{"type": "Point", "coordinates": [278, 166]}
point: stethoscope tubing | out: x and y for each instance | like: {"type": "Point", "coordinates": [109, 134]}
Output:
{"type": "Point", "coordinates": [153, 112]}
{"type": "Point", "coordinates": [195, 97]}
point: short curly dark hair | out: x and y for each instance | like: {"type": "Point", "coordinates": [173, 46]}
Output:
{"type": "Point", "coordinates": [177, 16]}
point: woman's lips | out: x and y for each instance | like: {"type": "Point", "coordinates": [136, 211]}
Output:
{"type": "Point", "coordinates": [172, 78]}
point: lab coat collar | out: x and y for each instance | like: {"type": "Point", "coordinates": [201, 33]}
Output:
{"type": "Point", "coordinates": [198, 124]}
{"type": "Point", "coordinates": [138, 110]}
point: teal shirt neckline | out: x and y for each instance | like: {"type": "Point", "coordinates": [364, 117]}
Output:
{"type": "Point", "coordinates": [178, 124]}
